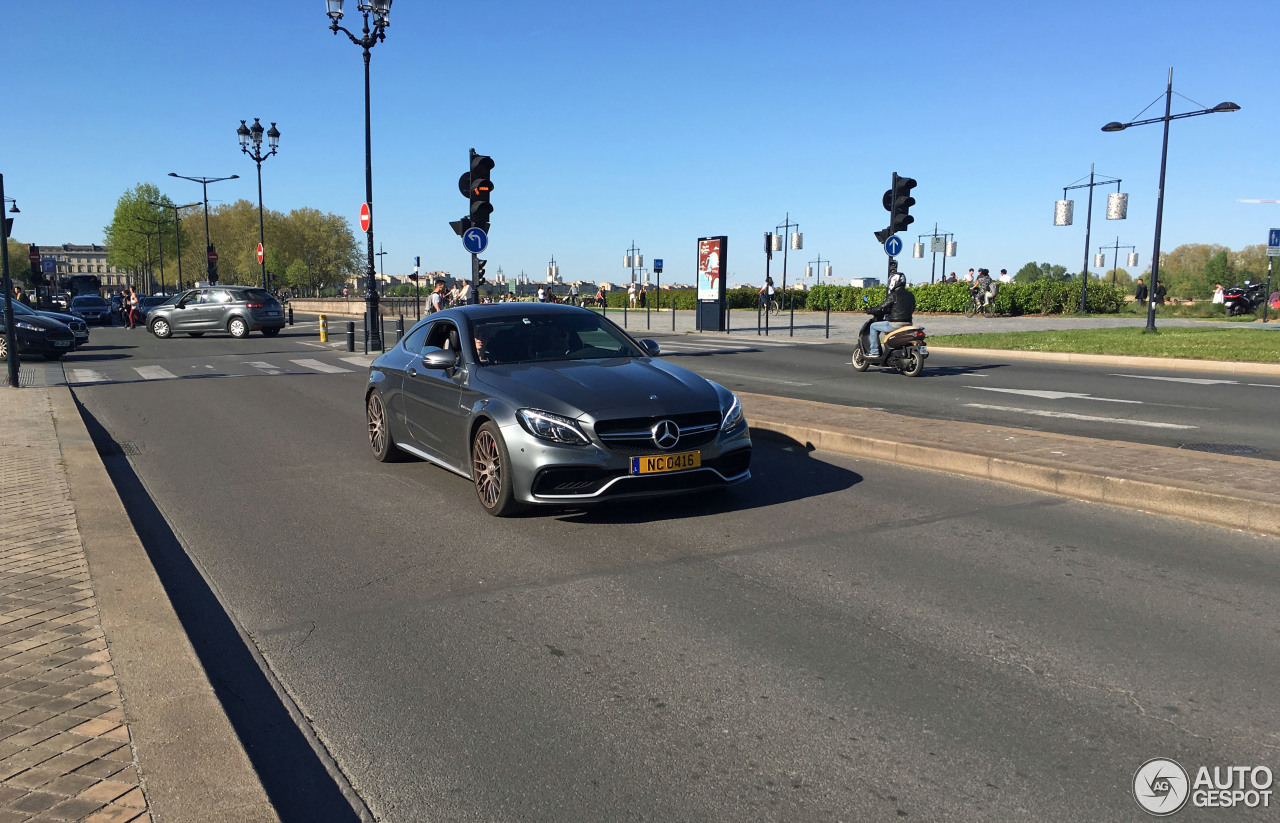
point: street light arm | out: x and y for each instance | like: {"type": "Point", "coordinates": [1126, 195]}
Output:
{"type": "Point", "coordinates": [1218, 109]}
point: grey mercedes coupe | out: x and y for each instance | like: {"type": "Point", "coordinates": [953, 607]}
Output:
{"type": "Point", "coordinates": [539, 403]}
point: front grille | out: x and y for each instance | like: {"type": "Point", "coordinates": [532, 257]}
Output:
{"type": "Point", "coordinates": [631, 435]}
{"type": "Point", "coordinates": [570, 480]}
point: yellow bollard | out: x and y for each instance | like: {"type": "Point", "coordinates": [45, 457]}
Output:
{"type": "Point", "coordinates": [324, 328]}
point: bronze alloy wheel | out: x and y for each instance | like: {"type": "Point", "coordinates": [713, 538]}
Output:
{"type": "Point", "coordinates": [384, 448]}
{"type": "Point", "coordinates": [489, 471]}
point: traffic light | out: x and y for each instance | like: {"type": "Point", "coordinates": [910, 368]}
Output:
{"type": "Point", "coordinates": [898, 202]}
{"type": "Point", "coordinates": [480, 272]}
{"type": "Point", "coordinates": [479, 188]}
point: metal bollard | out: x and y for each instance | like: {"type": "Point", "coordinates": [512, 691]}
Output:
{"type": "Point", "coordinates": [792, 332]}
{"type": "Point", "coordinates": [290, 314]}
{"type": "Point", "coordinates": [625, 300]}
{"type": "Point", "coordinates": [324, 328]}
{"type": "Point", "coordinates": [399, 328]}
{"type": "Point", "coordinates": [828, 317]}
{"type": "Point", "coordinates": [351, 335]}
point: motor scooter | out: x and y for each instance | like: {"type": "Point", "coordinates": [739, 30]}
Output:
{"type": "Point", "coordinates": [903, 349]}
{"type": "Point", "coordinates": [1243, 299]}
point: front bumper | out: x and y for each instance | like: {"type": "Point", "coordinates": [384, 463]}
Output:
{"type": "Point", "coordinates": [553, 474]}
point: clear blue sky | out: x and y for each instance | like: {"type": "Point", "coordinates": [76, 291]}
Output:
{"type": "Point", "coordinates": [656, 122]}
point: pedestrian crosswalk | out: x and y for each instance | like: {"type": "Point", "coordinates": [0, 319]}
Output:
{"type": "Point", "coordinates": [223, 367]}
{"type": "Point", "coordinates": [715, 344]}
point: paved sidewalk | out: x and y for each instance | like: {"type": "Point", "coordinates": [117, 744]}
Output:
{"type": "Point", "coordinates": [65, 748]}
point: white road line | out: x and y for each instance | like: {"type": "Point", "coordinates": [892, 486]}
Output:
{"type": "Point", "coordinates": [1054, 395]}
{"type": "Point", "coordinates": [1085, 417]}
{"type": "Point", "coordinates": [154, 373]}
{"type": "Point", "coordinates": [269, 368]}
{"type": "Point", "coordinates": [361, 360]}
{"type": "Point", "coordinates": [753, 377]}
{"type": "Point", "coordinates": [321, 367]}
{"type": "Point", "coordinates": [1199, 381]}
{"type": "Point", "coordinates": [1265, 385]}
{"type": "Point", "coordinates": [87, 376]}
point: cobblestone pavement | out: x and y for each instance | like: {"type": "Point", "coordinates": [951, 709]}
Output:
{"type": "Point", "coordinates": [65, 750]}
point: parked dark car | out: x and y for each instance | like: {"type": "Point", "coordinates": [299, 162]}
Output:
{"type": "Point", "coordinates": [79, 329]}
{"type": "Point", "coordinates": [36, 334]}
{"type": "Point", "coordinates": [541, 403]}
{"type": "Point", "coordinates": [146, 304]}
{"type": "Point", "coordinates": [236, 310]}
{"type": "Point", "coordinates": [91, 309]}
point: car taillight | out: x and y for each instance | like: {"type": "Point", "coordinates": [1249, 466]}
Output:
{"type": "Point", "coordinates": [254, 305]}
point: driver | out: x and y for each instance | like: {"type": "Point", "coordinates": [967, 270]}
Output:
{"type": "Point", "coordinates": [897, 308]}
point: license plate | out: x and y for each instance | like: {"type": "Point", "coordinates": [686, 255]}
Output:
{"type": "Point", "coordinates": [272, 313]}
{"type": "Point", "coordinates": [62, 342]}
{"type": "Point", "coordinates": [658, 463]}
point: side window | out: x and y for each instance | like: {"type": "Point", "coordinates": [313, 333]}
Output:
{"type": "Point", "coordinates": [413, 342]}
{"type": "Point", "coordinates": [442, 335]}
{"type": "Point", "coordinates": [216, 296]}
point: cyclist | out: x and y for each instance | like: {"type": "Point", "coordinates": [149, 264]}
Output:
{"type": "Point", "coordinates": [766, 292]}
{"type": "Point", "coordinates": [984, 287]}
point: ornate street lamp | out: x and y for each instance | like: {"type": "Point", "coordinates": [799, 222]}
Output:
{"type": "Point", "coordinates": [253, 135]}
{"type": "Point", "coordinates": [210, 252]}
{"type": "Point", "coordinates": [1164, 154]}
{"type": "Point", "coordinates": [381, 10]}
{"type": "Point", "coordinates": [1117, 209]}
{"type": "Point", "coordinates": [10, 336]}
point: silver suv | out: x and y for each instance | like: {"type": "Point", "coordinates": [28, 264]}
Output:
{"type": "Point", "coordinates": [236, 310]}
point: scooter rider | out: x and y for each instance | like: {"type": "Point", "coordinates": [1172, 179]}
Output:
{"type": "Point", "coordinates": [897, 308]}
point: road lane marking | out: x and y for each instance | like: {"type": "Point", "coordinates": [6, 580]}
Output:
{"type": "Point", "coordinates": [749, 377]}
{"type": "Point", "coordinates": [1199, 381]}
{"type": "Point", "coordinates": [87, 376]}
{"type": "Point", "coordinates": [1054, 395]}
{"type": "Point", "coordinates": [269, 368]}
{"type": "Point", "coordinates": [1265, 385]}
{"type": "Point", "coordinates": [362, 360]}
{"type": "Point", "coordinates": [321, 367]}
{"type": "Point", "coordinates": [154, 373]}
{"type": "Point", "coordinates": [1085, 417]}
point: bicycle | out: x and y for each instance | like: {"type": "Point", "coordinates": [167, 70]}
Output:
{"type": "Point", "coordinates": [771, 305]}
{"type": "Point", "coordinates": [976, 306]}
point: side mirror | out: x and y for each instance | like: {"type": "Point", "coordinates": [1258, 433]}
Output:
{"type": "Point", "coordinates": [651, 347]}
{"type": "Point", "coordinates": [440, 359]}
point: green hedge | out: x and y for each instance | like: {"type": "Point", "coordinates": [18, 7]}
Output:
{"type": "Point", "coordinates": [1040, 297]}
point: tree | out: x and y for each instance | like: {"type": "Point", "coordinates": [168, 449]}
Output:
{"type": "Point", "coordinates": [1041, 271]}
{"type": "Point", "coordinates": [126, 235]}
{"type": "Point", "coordinates": [19, 265]}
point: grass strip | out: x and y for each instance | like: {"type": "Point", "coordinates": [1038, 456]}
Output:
{"type": "Point", "coordinates": [1247, 344]}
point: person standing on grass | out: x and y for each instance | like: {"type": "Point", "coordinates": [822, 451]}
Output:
{"type": "Point", "coordinates": [1140, 292]}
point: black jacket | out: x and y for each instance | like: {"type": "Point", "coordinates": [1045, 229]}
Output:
{"type": "Point", "coordinates": [898, 306]}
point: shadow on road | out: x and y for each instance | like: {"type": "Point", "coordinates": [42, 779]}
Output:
{"type": "Point", "coordinates": [295, 778]}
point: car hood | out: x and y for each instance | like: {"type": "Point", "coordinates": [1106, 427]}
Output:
{"type": "Point", "coordinates": [60, 317]}
{"type": "Point", "coordinates": [44, 321]}
{"type": "Point", "coordinates": [618, 387]}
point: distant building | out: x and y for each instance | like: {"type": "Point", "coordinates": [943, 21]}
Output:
{"type": "Point", "coordinates": [70, 259]}
{"type": "Point", "coordinates": [864, 282]}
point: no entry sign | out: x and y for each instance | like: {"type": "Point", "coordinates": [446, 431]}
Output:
{"type": "Point", "coordinates": [366, 217]}
{"type": "Point", "coordinates": [259, 252]}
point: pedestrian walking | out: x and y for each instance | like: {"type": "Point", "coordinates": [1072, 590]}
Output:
{"type": "Point", "coordinates": [435, 300]}
{"type": "Point", "coordinates": [642, 297]}
{"type": "Point", "coordinates": [1004, 276]}
{"type": "Point", "coordinates": [600, 297]}
{"type": "Point", "coordinates": [1217, 293]}
{"type": "Point", "coordinates": [573, 294]}
{"type": "Point", "coordinates": [1140, 292]}
{"type": "Point", "coordinates": [631, 295]}
{"type": "Point", "coordinates": [1161, 291]}
{"type": "Point", "coordinates": [134, 317]}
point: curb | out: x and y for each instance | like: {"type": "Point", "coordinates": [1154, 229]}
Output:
{"type": "Point", "coordinates": [1199, 505]}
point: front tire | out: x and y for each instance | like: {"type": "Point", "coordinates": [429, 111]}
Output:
{"type": "Point", "coordinates": [160, 328]}
{"type": "Point", "coordinates": [912, 362]}
{"type": "Point", "coordinates": [971, 308]}
{"type": "Point", "coordinates": [859, 358]}
{"type": "Point", "coordinates": [380, 439]}
{"type": "Point", "coordinates": [238, 328]}
{"type": "Point", "coordinates": [491, 472]}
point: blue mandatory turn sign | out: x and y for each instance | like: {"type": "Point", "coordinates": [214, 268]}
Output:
{"type": "Point", "coordinates": [893, 246]}
{"type": "Point", "coordinates": [475, 240]}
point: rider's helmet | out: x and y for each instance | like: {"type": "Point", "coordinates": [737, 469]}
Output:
{"type": "Point", "coordinates": [897, 281]}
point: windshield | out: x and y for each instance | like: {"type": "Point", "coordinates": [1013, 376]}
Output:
{"type": "Point", "coordinates": [20, 308]}
{"type": "Point", "coordinates": [518, 338]}
{"type": "Point", "coordinates": [89, 302]}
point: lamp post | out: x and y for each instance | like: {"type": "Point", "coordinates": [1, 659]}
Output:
{"type": "Point", "coordinates": [253, 134]}
{"type": "Point", "coordinates": [177, 234]}
{"type": "Point", "coordinates": [809, 269]}
{"type": "Point", "coordinates": [938, 242]}
{"type": "Point", "coordinates": [159, 244]}
{"type": "Point", "coordinates": [1164, 155]}
{"type": "Point", "coordinates": [381, 10]}
{"type": "Point", "coordinates": [148, 235]}
{"type": "Point", "coordinates": [793, 240]}
{"type": "Point", "coordinates": [1100, 261]}
{"type": "Point", "coordinates": [633, 260]}
{"type": "Point", "coordinates": [10, 338]}
{"type": "Point", "coordinates": [204, 183]}
{"type": "Point", "coordinates": [1117, 209]}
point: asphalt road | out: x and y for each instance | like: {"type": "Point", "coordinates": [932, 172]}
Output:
{"type": "Point", "coordinates": [836, 640]}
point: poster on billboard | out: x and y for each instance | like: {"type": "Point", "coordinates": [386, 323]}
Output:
{"type": "Point", "coordinates": [711, 263]}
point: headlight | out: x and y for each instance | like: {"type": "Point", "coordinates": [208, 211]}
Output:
{"type": "Point", "coordinates": [733, 417]}
{"type": "Point", "coordinates": [22, 324]}
{"type": "Point", "coordinates": [552, 427]}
